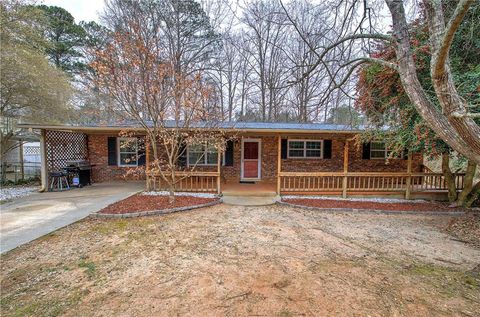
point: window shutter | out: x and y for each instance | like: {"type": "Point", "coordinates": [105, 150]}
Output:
{"type": "Point", "coordinates": [112, 150]}
{"type": "Point", "coordinates": [229, 153]}
{"type": "Point", "coordinates": [327, 149]}
{"type": "Point", "coordinates": [366, 151]}
{"type": "Point", "coordinates": [141, 151]}
{"type": "Point", "coordinates": [182, 152]}
{"type": "Point", "coordinates": [284, 148]}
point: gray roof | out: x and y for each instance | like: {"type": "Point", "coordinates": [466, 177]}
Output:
{"type": "Point", "coordinates": [288, 126]}
{"type": "Point", "coordinates": [237, 125]}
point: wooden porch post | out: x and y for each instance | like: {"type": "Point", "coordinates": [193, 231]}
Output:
{"type": "Point", "coordinates": [345, 169]}
{"type": "Point", "coordinates": [279, 163]}
{"type": "Point", "coordinates": [147, 163]}
{"type": "Point", "coordinates": [43, 161]}
{"type": "Point", "coordinates": [219, 156]}
{"type": "Point", "coordinates": [409, 177]}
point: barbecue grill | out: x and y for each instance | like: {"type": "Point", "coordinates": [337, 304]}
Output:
{"type": "Point", "coordinates": [82, 169]}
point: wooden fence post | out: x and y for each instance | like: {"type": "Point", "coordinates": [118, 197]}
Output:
{"type": "Point", "coordinates": [345, 170]}
{"type": "Point", "coordinates": [409, 177]}
{"type": "Point", "coordinates": [21, 159]}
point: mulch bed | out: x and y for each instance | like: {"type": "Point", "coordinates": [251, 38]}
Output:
{"type": "Point", "coordinates": [138, 203]}
{"type": "Point", "coordinates": [329, 203]}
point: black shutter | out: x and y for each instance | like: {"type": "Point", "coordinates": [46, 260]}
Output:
{"type": "Point", "coordinates": [182, 154]}
{"type": "Point", "coordinates": [229, 153]}
{"type": "Point", "coordinates": [284, 148]}
{"type": "Point", "coordinates": [112, 150]}
{"type": "Point", "coordinates": [327, 149]}
{"type": "Point", "coordinates": [141, 151]}
{"type": "Point", "coordinates": [366, 151]}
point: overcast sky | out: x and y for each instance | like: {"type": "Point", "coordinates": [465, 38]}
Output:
{"type": "Point", "coordinates": [82, 10]}
{"type": "Point", "coordinates": [88, 10]}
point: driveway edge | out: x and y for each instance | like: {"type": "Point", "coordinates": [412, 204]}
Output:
{"type": "Point", "coordinates": [154, 212]}
{"type": "Point", "coordinates": [377, 211]}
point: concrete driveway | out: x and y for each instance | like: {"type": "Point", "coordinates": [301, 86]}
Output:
{"type": "Point", "coordinates": [31, 217]}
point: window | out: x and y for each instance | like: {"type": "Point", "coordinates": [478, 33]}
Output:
{"type": "Point", "coordinates": [305, 148]}
{"type": "Point", "coordinates": [127, 152]}
{"type": "Point", "coordinates": [378, 150]}
{"type": "Point", "coordinates": [202, 154]}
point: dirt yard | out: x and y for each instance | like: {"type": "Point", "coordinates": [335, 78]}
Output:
{"type": "Point", "coordinates": [246, 261]}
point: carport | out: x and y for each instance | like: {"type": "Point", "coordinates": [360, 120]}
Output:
{"type": "Point", "coordinates": [59, 147]}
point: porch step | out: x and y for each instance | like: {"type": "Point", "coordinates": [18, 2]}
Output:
{"type": "Point", "coordinates": [250, 193]}
{"type": "Point", "coordinates": [249, 200]}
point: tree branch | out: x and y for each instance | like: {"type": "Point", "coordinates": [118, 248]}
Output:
{"type": "Point", "coordinates": [376, 61]}
{"type": "Point", "coordinates": [448, 35]}
{"type": "Point", "coordinates": [458, 114]}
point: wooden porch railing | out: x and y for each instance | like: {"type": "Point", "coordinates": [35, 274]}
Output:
{"type": "Point", "coordinates": [363, 182]}
{"type": "Point", "coordinates": [187, 182]}
{"type": "Point", "coordinates": [435, 181]}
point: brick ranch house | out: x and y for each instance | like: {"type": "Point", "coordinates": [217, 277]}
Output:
{"type": "Point", "coordinates": [285, 158]}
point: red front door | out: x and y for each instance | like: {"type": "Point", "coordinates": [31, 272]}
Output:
{"type": "Point", "coordinates": [250, 159]}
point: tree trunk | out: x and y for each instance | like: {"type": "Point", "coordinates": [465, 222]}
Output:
{"type": "Point", "coordinates": [171, 195]}
{"type": "Point", "coordinates": [408, 75]}
{"type": "Point", "coordinates": [475, 194]}
{"type": "Point", "coordinates": [467, 184]}
{"type": "Point", "coordinates": [441, 74]}
{"type": "Point", "coordinates": [449, 178]}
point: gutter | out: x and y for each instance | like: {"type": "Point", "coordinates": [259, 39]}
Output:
{"type": "Point", "coordinates": [115, 129]}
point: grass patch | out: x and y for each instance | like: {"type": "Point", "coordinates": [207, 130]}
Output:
{"type": "Point", "coordinates": [427, 270]}
{"type": "Point", "coordinates": [451, 282]}
{"type": "Point", "coordinates": [38, 307]}
{"type": "Point", "coordinates": [90, 267]}
{"type": "Point", "coordinates": [121, 225]}
{"type": "Point", "coordinates": [285, 313]}
{"type": "Point", "coordinates": [110, 226]}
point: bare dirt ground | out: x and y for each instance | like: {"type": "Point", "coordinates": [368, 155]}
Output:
{"type": "Point", "coordinates": [245, 261]}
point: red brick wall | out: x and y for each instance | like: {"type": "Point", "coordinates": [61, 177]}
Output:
{"type": "Point", "coordinates": [268, 161]}
{"type": "Point", "coordinates": [335, 164]}
{"type": "Point", "coordinates": [98, 156]}
{"type": "Point", "coordinates": [355, 161]}
{"type": "Point", "coordinates": [357, 164]}
{"type": "Point", "coordinates": [269, 152]}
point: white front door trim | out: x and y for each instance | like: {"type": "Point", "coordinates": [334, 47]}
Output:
{"type": "Point", "coordinates": [259, 141]}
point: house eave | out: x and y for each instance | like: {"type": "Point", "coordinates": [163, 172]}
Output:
{"type": "Point", "coordinates": [99, 129]}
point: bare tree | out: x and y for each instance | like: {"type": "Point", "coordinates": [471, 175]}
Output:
{"type": "Point", "coordinates": [453, 122]}
{"type": "Point", "coordinates": [305, 92]}
{"type": "Point", "coordinates": [170, 102]}
{"type": "Point", "coordinates": [265, 33]}
{"type": "Point", "coordinates": [227, 73]}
